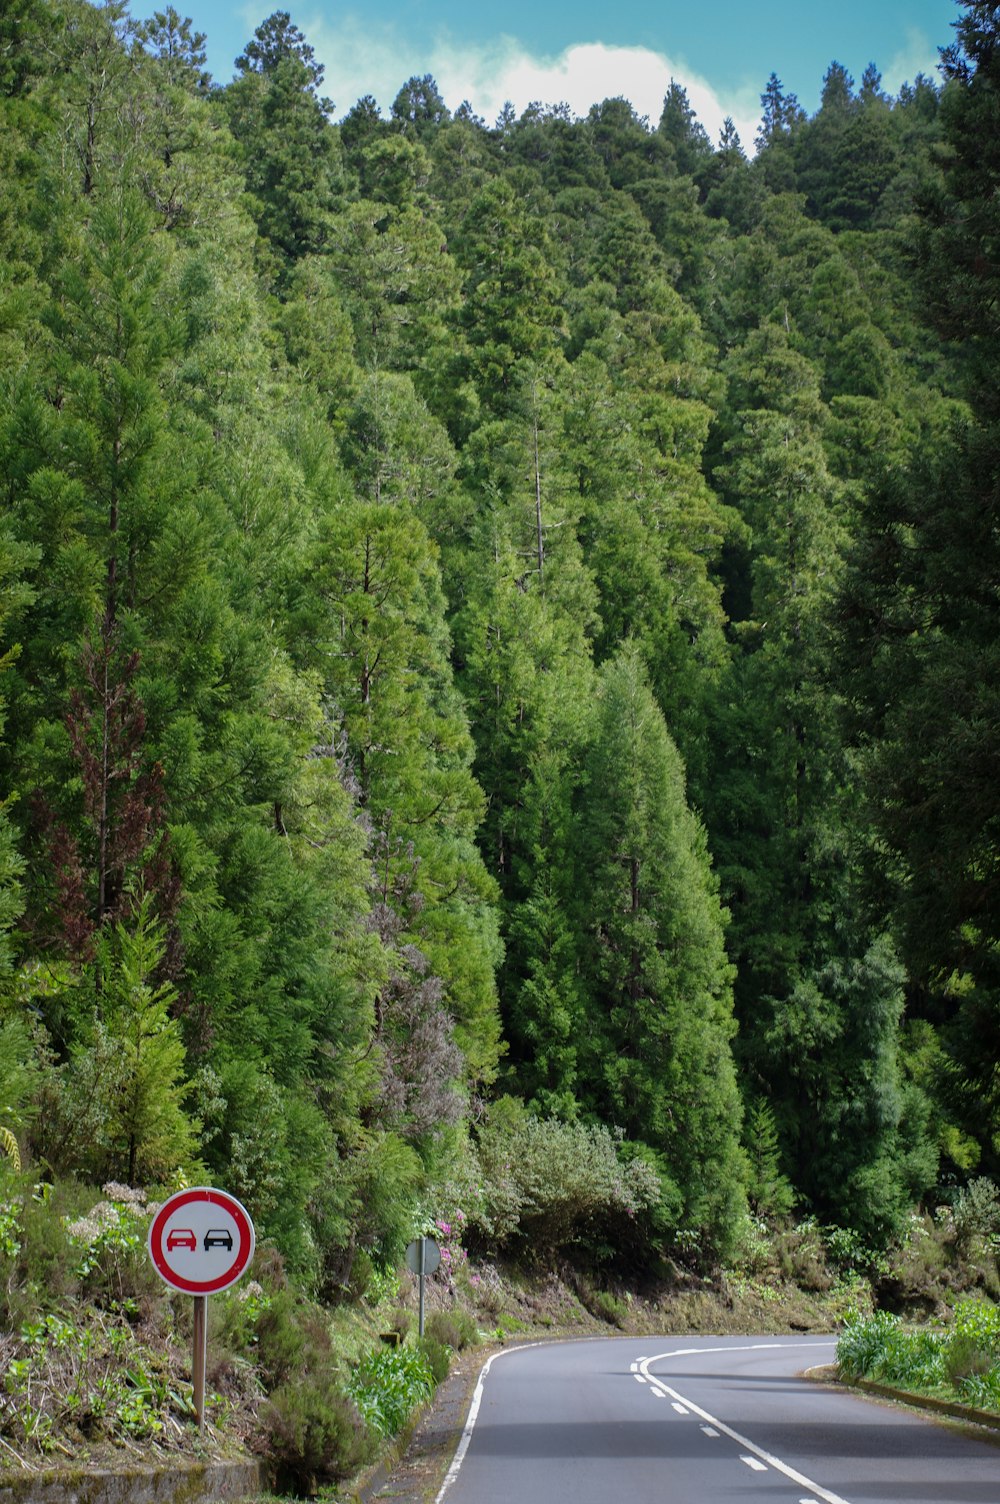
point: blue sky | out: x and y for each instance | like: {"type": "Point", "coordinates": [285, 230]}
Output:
{"type": "Point", "coordinates": [722, 50]}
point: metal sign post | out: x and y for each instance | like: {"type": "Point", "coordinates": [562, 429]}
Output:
{"type": "Point", "coordinates": [201, 1241]}
{"type": "Point", "coordinates": [422, 1257]}
{"type": "Point", "coordinates": [199, 1357]}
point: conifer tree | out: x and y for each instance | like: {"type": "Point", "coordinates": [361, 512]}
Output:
{"type": "Point", "coordinates": [659, 1002]}
{"type": "Point", "coordinates": [126, 1095]}
{"type": "Point", "coordinates": [922, 611]}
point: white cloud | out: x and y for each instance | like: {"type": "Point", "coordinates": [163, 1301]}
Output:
{"type": "Point", "coordinates": [918, 55]}
{"type": "Point", "coordinates": [362, 58]}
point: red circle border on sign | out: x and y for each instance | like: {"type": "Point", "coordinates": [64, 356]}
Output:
{"type": "Point", "coordinates": [214, 1198]}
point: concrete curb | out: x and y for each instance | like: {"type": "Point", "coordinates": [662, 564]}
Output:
{"type": "Point", "coordinates": [828, 1374]}
{"type": "Point", "coordinates": [180, 1483]}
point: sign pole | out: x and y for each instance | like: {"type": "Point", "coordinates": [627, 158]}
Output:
{"type": "Point", "coordinates": [200, 1356]}
{"type": "Point", "coordinates": [201, 1241]}
{"type": "Point", "coordinates": [422, 1257]}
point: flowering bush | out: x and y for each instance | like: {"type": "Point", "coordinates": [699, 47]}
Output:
{"type": "Point", "coordinates": [111, 1240]}
{"type": "Point", "coordinates": [448, 1232]}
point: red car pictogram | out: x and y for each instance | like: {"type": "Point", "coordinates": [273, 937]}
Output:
{"type": "Point", "coordinates": [181, 1237]}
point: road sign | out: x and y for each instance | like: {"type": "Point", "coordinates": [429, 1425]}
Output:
{"type": "Point", "coordinates": [423, 1256]}
{"type": "Point", "coordinates": [201, 1241]}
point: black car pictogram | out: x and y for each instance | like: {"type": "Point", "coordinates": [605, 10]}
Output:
{"type": "Point", "coordinates": [218, 1237]}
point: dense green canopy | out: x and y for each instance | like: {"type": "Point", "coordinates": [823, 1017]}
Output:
{"type": "Point", "coordinates": [495, 611]}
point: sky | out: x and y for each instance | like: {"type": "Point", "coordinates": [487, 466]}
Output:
{"type": "Point", "coordinates": [583, 51]}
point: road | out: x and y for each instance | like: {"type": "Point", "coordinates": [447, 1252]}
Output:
{"type": "Point", "coordinates": [684, 1420]}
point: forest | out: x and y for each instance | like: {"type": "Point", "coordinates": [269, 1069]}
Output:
{"type": "Point", "coordinates": [500, 669]}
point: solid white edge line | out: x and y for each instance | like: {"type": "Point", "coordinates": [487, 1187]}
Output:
{"type": "Point", "coordinates": [477, 1399]}
{"type": "Point", "coordinates": [782, 1467]}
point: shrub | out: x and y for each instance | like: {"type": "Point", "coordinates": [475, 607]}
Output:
{"type": "Point", "coordinates": [438, 1355]}
{"type": "Point", "coordinates": [386, 1174]}
{"type": "Point", "coordinates": [848, 1252]}
{"type": "Point", "coordinates": [974, 1342]}
{"type": "Point", "coordinates": [976, 1213]}
{"type": "Point", "coordinates": [402, 1322]}
{"type": "Point", "coordinates": [456, 1329]}
{"type": "Point", "coordinates": [312, 1434]}
{"type": "Point", "coordinates": [979, 1322]}
{"type": "Point", "coordinates": [607, 1307]}
{"type": "Point", "coordinates": [801, 1256]}
{"type": "Point", "coordinates": [554, 1182]}
{"type": "Point", "coordinates": [110, 1243]}
{"type": "Point", "coordinates": [91, 1380]}
{"type": "Point", "coordinates": [913, 1360]}
{"type": "Point", "coordinates": [877, 1347]}
{"type": "Point", "coordinates": [965, 1359]}
{"type": "Point", "coordinates": [292, 1338]}
{"type": "Point", "coordinates": [43, 1264]}
{"type": "Point", "coordinates": [982, 1390]}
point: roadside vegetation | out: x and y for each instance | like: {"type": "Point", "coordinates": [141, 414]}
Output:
{"type": "Point", "coordinates": [958, 1362]}
{"type": "Point", "coordinates": [95, 1350]}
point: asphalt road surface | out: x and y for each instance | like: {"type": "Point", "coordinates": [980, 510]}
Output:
{"type": "Point", "coordinates": [684, 1420]}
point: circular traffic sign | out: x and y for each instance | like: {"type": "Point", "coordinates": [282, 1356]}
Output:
{"type": "Point", "coordinates": [423, 1251]}
{"type": "Point", "coordinates": [201, 1241]}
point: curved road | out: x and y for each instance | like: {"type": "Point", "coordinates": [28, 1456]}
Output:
{"type": "Point", "coordinates": [701, 1421]}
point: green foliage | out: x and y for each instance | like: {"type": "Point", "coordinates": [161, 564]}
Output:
{"type": "Point", "coordinates": [548, 1184]}
{"type": "Point", "coordinates": [492, 606]}
{"type": "Point", "coordinates": [125, 1092]}
{"type": "Point", "coordinates": [112, 1261]}
{"type": "Point", "coordinates": [89, 1382]}
{"type": "Point", "coordinates": [386, 1176]}
{"type": "Point", "coordinates": [865, 1342]}
{"type": "Point", "coordinates": [608, 1307]}
{"type": "Point", "coordinates": [389, 1384]}
{"type": "Point", "coordinates": [659, 1003]}
{"type": "Point", "coordinates": [438, 1357]}
{"type": "Point", "coordinates": [976, 1214]}
{"type": "Point", "coordinates": [965, 1356]}
{"type": "Point", "coordinates": [768, 1188]}
{"type": "Point", "coordinates": [314, 1435]}
{"type": "Point", "coordinates": [455, 1329]}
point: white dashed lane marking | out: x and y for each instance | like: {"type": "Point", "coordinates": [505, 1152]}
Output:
{"type": "Point", "coordinates": [753, 1456]}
